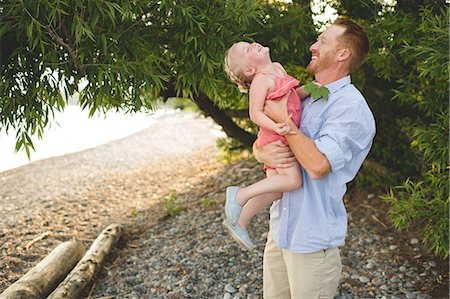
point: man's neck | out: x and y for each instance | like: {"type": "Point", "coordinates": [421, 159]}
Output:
{"type": "Point", "coordinates": [329, 76]}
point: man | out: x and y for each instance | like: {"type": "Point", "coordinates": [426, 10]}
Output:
{"type": "Point", "coordinates": [301, 258]}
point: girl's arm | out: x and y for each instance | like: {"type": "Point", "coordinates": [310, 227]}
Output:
{"type": "Point", "coordinates": [258, 90]}
{"type": "Point", "coordinates": [302, 93]}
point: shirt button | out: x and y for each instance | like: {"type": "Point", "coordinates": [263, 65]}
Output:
{"type": "Point", "coordinates": [285, 208]}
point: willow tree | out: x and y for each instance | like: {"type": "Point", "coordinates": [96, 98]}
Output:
{"type": "Point", "coordinates": [124, 55]}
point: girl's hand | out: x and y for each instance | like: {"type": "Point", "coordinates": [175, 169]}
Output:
{"type": "Point", "coordinates": [283, 129]}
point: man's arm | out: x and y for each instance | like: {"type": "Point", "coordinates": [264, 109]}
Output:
{"type": "Point", "coordinates": [305, 150]}
{"type": "Point", "coordinates": [302, 94]}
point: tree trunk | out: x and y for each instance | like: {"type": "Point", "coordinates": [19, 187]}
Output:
{"type": "Point", "coordinates": [242, 113]}
{"type": "Point", "coordinates": [80, 277]}
{"type": "Point", "coordinates": [220, 117]}
{"type": "Point", "coordinates": [46, 275]}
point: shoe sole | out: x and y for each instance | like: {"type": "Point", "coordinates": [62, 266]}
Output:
{"type": "Point", "coordinates": [244, 245]}
{"type": "Point", "coordinates": [227, 216]}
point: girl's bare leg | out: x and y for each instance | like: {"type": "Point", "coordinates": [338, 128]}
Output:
{"type": "Point", "coordinates": [256, 205]}
{"type": "Point", "coordinates": [279, 180]}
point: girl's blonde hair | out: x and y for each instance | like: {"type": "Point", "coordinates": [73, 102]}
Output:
{"type": "Point", "coordinates": [236, 76]}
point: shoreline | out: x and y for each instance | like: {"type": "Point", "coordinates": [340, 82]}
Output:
{"type": "Point", "coordinates": [73, 131]}
{"type": "Point", "coordinates": [78, 194]}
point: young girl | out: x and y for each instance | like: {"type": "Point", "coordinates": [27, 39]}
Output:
{"type": "Point", "coordinates": [249, 66]}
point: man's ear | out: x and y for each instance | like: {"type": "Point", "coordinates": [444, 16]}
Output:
{"type": "Point", "coordinates": [344, 54]}
{"type": "Point", "coordinates": [249, 71]}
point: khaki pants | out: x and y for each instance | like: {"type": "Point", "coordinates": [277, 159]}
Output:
{"type": "Point", "coordinates": [300, 275]}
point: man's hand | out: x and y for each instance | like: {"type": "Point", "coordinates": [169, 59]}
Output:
{"type": "Point", "coordinates": [275, 154]}
{"type": "Point", "coordinates": [277, 110]}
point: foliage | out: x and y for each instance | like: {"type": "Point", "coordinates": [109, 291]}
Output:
{"type": "Point", "coordinates": [289, 31]}
{"type": "Point", "coordinates": [232, 150]}
{"type": "Point", "coordinates": [420, 70]}
{"type": "Point", "coordinates": [208, 202]}
{"type": "Point", "coordinates": [316, 91]}
{"type": "Point", "coordinates": [124, 55]}
{"type": "Point", "coordinates": [182, 104]}
{"type": "Point", "coordinates": [119, 55]}
{"type": "Point", "coordinates": [425, 200]}
{"type": "Point", "coordinates": [171, 204]}
{"type": "Point", "coordinates": [134, 212]}
{"type": "Point", "coordinates": [370, 174]}
{"type": "Point", "coordinates": [384, 67]}
{"type": "Point", "coordinates": [405, 80]}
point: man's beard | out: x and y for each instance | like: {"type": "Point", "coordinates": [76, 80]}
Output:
{"type": "Point", "coordinates": [310, 69]}
{"type": "Point", "coordinates": [322, 63]}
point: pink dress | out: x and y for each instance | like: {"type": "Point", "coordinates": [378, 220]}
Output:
{"type": "Point", "coordinates": [282, 86]}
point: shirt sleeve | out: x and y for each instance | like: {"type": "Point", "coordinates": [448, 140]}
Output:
{"type": "Point", "coordinates": [346, 131]}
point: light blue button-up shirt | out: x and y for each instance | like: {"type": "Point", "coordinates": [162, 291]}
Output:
{"type": "Point", "coordinates": [313, 217]}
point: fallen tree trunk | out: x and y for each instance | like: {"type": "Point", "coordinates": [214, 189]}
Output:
{"type": "Point", "coordinates": [47, 274]}
{"type": "Point", "coordinates": [80, 277]}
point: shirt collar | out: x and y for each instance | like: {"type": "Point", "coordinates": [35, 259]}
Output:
{"type": "Point", "coordinates": [338, 84]}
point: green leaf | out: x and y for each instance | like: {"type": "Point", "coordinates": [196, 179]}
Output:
{"type": "Point", "coordinates": [317, 91]}
{"type": "Point", "coordinates": [104, 43]}
{"type": "Point", "coordinates": [30, 31]}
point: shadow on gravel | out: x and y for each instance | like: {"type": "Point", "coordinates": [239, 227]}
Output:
{"type": "Point", "coordinates": [191, 256]}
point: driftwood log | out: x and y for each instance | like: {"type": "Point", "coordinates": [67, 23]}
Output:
{"type": "Point", "coordinates": [47, 274]}
{"type": "Point", "coordinates": [80, 277]}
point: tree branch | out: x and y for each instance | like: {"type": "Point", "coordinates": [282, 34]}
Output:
{"type": "Point", "coordinates": [242, 113]}
{"type": "Point", "coordinates": [232, 130]}
{"type": "Point", "coordinates": [221, 117]}
{"type": "Point", "coordinates": [169, 91]}
{"type": "Point", "coordinates": [80, 68]}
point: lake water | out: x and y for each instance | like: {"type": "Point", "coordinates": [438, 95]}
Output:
{"type": "Point", "coordinates": [72, 130]}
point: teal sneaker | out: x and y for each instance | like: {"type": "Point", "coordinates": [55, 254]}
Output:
{"type": "Point", "coordinates": [240, 235]}
{"type": "Point", "coordinates": [232, 208]}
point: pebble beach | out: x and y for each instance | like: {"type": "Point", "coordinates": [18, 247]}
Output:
{"type": "Point", "coordinates": [187, 253]}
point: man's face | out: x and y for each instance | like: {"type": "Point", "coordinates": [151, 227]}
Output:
{"type": "Point", "coordinates": [324, 50]}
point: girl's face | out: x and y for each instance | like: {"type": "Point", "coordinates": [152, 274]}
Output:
{"type": "Point", "coordinates": [250, 55]}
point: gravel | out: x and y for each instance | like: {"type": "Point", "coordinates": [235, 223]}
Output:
{"type": "Point", "coordinates": [189, 254]}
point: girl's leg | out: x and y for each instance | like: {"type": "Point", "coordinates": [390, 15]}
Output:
{"type": "Point", "coordinates": [256, 205]}
{"type": "Point", "coordinates": [279, 180]}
